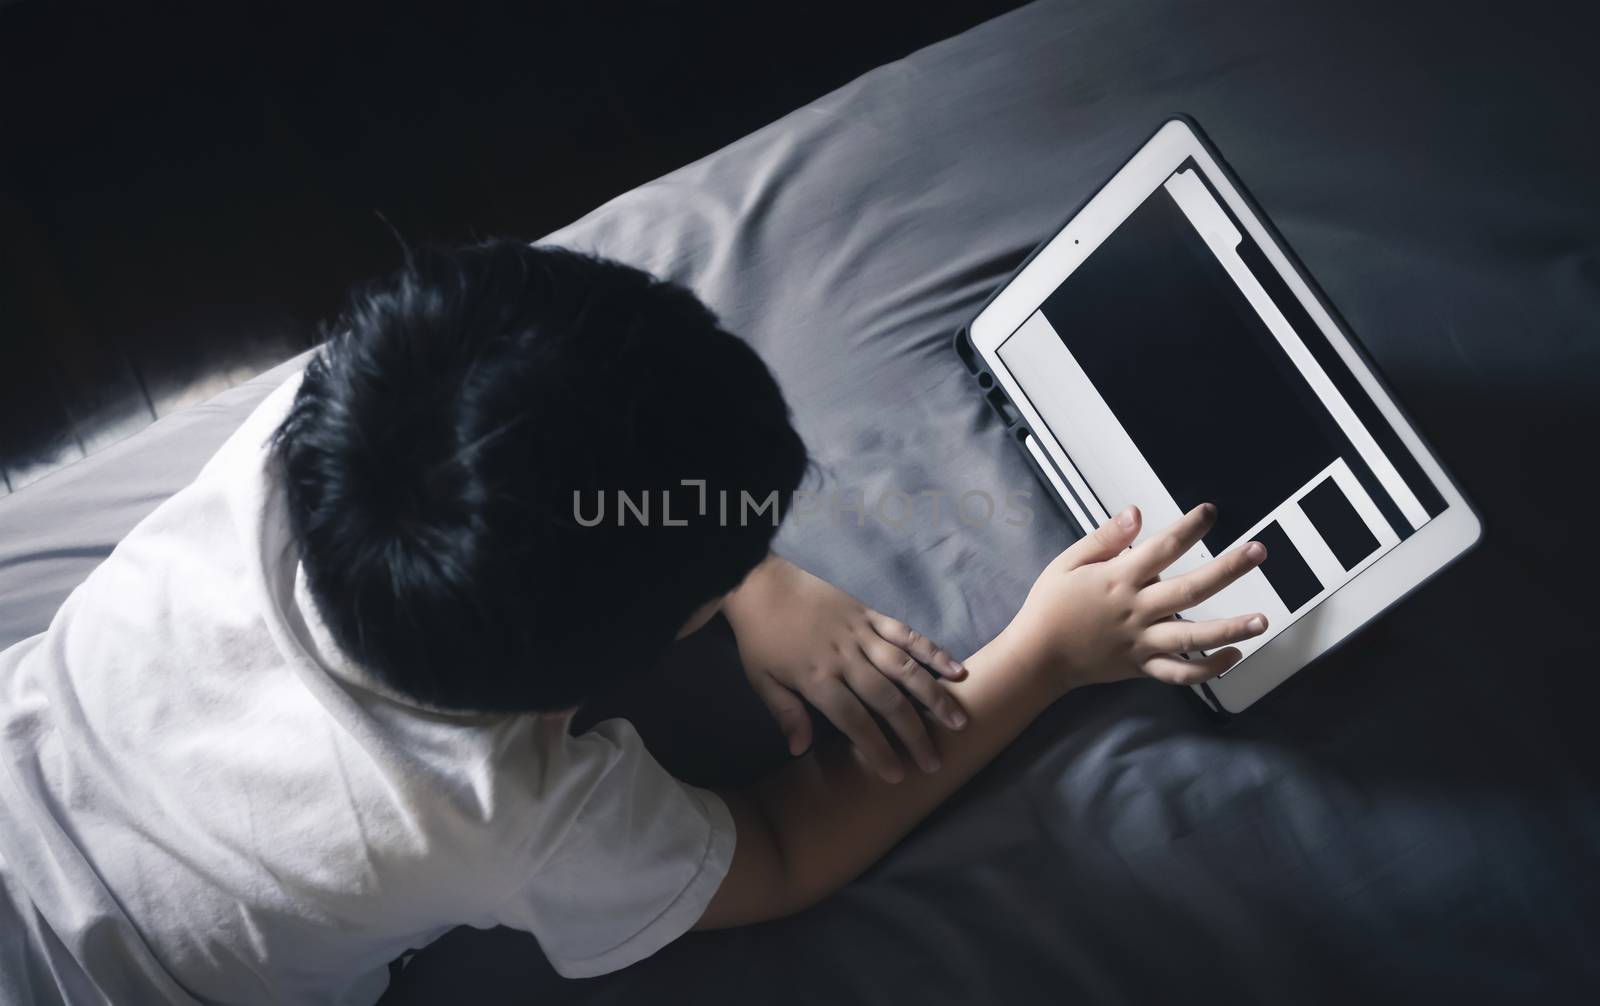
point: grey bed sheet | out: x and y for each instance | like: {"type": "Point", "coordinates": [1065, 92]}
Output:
{"type": "Point", "coordinates": [1413, 817]}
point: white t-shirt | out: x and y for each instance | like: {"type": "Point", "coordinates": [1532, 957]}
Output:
{"type": "Point", "coordinates": [202, 800]}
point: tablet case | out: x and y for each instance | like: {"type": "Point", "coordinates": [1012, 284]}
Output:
{"type": "Point", "coordinates": [1017, 430]}
{"type": "Point", "coordinates": [1016, 427]}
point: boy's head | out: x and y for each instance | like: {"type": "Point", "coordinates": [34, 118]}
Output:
{"type": "Point", "coordinates": [451, 446]}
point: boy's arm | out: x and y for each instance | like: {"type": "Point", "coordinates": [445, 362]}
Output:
{"type": "Point", "coordinates": [819, 822]}
{"type": "Point", "coordinates": [1097, 613]}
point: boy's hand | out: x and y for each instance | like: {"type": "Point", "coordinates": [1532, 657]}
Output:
{"type": "Point", "coordinates": [800, 636]}
{"type": "Point", "coordinates": [1099, 611]}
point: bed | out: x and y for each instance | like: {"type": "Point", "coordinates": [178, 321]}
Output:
{"type": "Point", "coordinates": [1413, 817]}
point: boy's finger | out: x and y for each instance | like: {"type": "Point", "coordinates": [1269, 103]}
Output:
{"type": "Point", "coordinates": [787, 708]}
{"type": "Point", "coordinates": [1106, 541]}
{"type": "Point", "coordinates": [1169, 597]}
{"type": "Point", "coordinates": [925, 650]}
{"type": "Point", "coordinates": [846, 712]}
{"type": "Point", "coordinates": [1155, 554]}
{"type": "Point", "coordinates": [889, 702]}
{"type": "Point", "coordinates": [1177, 671]}
{"type": "Point", "coordinates": [899, 667]}
{"type": "Point", "coordinates": [1192, 637]}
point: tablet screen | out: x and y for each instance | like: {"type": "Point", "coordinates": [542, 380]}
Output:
{"type": "Point", "coordinates": [1174, 367]}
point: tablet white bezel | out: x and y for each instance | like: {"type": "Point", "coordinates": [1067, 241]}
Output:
{"type": "Point", "coordinates": [1400, 570]}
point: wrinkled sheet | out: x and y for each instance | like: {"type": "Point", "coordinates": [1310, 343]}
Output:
{"type": "Point", "coordinates": [1416, 814]}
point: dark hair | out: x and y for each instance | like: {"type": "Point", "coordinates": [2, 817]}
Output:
{"type": "Point", "coordinates": [440, 445]}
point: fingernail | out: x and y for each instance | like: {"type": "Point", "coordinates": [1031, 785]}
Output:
{"type": "Point", "coordinates": [1209, 509]}
{"type": "Point", "coordinates": [1125, 519]}
{"type": "Point", "coordinates": [1256, 624]}
{"type": "Point", "coordinates": [894, 777]}
{"type": "Point", "coordinates": [958, 667]}
{"type": "Point", "coordinates": [1256, 551]}
{"type": "Point", "coordinates": [930, 766]}
{"type": "Point", "coordinates": [958, 719]}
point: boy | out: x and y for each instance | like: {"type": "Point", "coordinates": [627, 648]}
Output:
{"type": "Point", "coordinates": [314, 710]}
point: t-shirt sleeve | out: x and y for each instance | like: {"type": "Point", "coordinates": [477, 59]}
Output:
{"type": "Point", "coordinates": [624, 859]}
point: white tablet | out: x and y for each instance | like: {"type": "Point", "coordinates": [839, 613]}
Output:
{"type": "Point", "coordinates": [1165, 349]}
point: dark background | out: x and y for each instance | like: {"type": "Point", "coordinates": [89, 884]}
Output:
{"type": "Point", "coordinates": [187, 188]}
